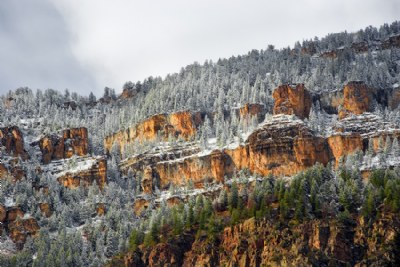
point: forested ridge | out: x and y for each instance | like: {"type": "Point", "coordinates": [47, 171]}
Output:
{"type": "Point", "coordinates": [220, 155]}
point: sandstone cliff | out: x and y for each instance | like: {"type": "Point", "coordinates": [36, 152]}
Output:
{"type": "Point", "coordinates": [88, 171]}
{"type": "Point", "coordinates": [292, 100]}
{"type": "Point", "coordinates": [72, 142]}
{"type": "Point", "coordinates": [12, 141]}
{"type": "Point", "coordinates": [318, 242]}
{"type": "Point", "coordinates": [357, 99]}
{"type": "Point", "coordinates": [250, 110]}
{"type": "Point", "coordinates": [18, 227]}
{"type": "Point", "coordinates": [282, 146]}
{"type": "Point", "coordinates": [180, 124]}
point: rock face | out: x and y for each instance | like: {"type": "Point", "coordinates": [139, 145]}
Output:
{"type": "Point", "coordinates": [20, 229]}
{"type": "Point", "coordinates": [394, 99]}
{"type": "Point", "coordinates": [72, 142]}
{"type": "Point", "coordinates": [357, 99]}
{"type": "Point", "coordinates": [3, 213]}
{"type": "Point", "coordinates": [147, 181]}
{"type": "Point", "coordinates": [100, 209]}
{"type": "Point", "coordinates": [140, 206]}
{"type": "Point", "coordinates": [292, 100]}
{"type": "Point", "coordinates": [12, 140]}
{"type": "Point", "coordinates": [318, 242]}
{"type": "Point", "coordinates": [95, 172]}
{"type": "Point", "coordinates": [393, 41]}
{"type": "Point", "coordinates": [345, 144]}
{"type": "Point", "coordinates": [353, 133]}
{"type": "Point", "coordinates": [198, 169]}
{"type": "Point", "coordinates": [282, 146]}
{"type": "Point", "coordinates": [11, 170]}
{"type": "Point", "coordinates": [3, 171]}
{"type": "Point", "coordinates": [180, 124]}
{"type": "Point", "coordinates": [45, 209]}
{"type": "Point", "coordinates": [253, 110]}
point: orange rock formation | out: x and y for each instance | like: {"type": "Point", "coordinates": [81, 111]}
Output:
{"type": "Point", "coordinates": [72, 142]}
{"type": "Point", "coordinates": [344, 144]}
{"type": "Point", "coordinates": [291, 99]}
{"type": "Point", "coordinates": [180, 124]}
{"type": "Point", "coordinates": [98, 173]}
{"type": "Point", "coordinates": [12, 140]}
{"type": "Point", "coordinates": [356, 99]}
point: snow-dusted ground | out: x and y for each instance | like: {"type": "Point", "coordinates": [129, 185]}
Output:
{"type": "Point", "coordinates": [72, 165]}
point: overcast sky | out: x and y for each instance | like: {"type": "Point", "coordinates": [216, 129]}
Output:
{"type": "Point", "coordinates": [85, 45]}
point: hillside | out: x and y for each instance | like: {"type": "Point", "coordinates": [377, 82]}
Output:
{"type": "Point", "coordinates": [277, 157]}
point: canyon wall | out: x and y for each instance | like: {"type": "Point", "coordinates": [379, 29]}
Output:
{"type": "Point", "coordinates": [72, 142]}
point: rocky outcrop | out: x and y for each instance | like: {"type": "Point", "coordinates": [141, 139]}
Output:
{"type": "Point", "coordinates": [392, 41]}
{"type": "Point", "coordinates": [147, 181]}
{"type": "Point", "coordinates": [345, 144]}
{"type": "Point", "coordinates": [45, 209]}
{"type": "Point", "coordinates": [267, 242]}
{"type": "Point", "coordinates": [292, 100]}
{"type": "Point", "coordinates": [394, 99]}
{"type": "Point", "coordinates": [140, 206]}
{"type": "Point", "coordinates": [12, 141]}
{"type": "Point", "coordinates": [357, 99]}
{"type": "Point", "coordinates": [180, 124]}
{"type": "Point", "coordinates": [180, 171]}
{"type": "Point", "coordinates": [96, 171]}
{"type": "Point", "coordinates": [250, 110]}
{"type": "Point", "coordinates": [12, 169]}
{"type": "Point", "coordinates": [13, 213]}
{"type": "Point", "coordinates": [3, 171]}
{"type": "Point", "coordinates": [3, 213]}
{"type": "Point", "coordinates": [353, 133]}
{"type": "Point", "coordinates": [13, 221]}
{"type": "Point", "coordinates": [282, 146]}
{"type": "Point", "coordinates": [72, 142]}
{"type": "Point", "coordinates": [100, 209]}
{"type": "Point", "coordinates": [20, 229]}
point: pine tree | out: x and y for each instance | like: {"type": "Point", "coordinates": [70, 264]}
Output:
{"type": "Point", "coordinates": [395, 151]}
{"type": "Point", "coordinates": [234, 196]}
{"type": "Point", "coordinates": [388, 146]}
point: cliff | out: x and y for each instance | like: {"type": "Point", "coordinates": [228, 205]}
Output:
{"type": "Point", "coordinates": [292, 100]}
{"type": "Point", "coordinates": [86, 172]}
{"type": "Point", "coordinates": [180, 124]}
{"type": "Point", "coordinates": [282, 146]}
{"type": "Point", "coordinates": [250, 110]}
{"type": "Point", "coordinates": [12, 141]}
{"type": "Point", "coordinates": [72, 142]}
{"type": "Point", "coordinates": [16, 225]}
{"type": "Point", "coordinates": [357, 99]}
{"type": "Point", "coordinates": [12, 169]}
{"type": "Point", "coordinates": [317, 242]}
{"type": "Point", "coordinates": [345, 144]}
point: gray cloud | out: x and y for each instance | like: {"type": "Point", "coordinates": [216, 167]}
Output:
{"type": "Point", "coordinates": [97, 43]}
{"type": "Point", "coordinates": [35, 49]}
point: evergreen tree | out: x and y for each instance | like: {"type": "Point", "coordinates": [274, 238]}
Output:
{"type": "Point", "coordinates": [234, 196]}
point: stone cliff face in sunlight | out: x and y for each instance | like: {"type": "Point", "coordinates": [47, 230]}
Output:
{"type": "Point", "coordinates": [72, 142]}
{"type": "Point", "coordinates": [97, 172]}
{"type": "Point", "coordinates": [292, 100]}
{"type": "Point", "coordinates": [12, 140]}
{"type": "Point", "coordinates": [282, 146]}
{"type": "Point", "coordinates": [357, 99]}
{"type": "Point", "coordinates": [318, 242]}
{"type": "Point", "coordinates": [180, 124]}
{"type": "Point", "coordinates": [344, 144]}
